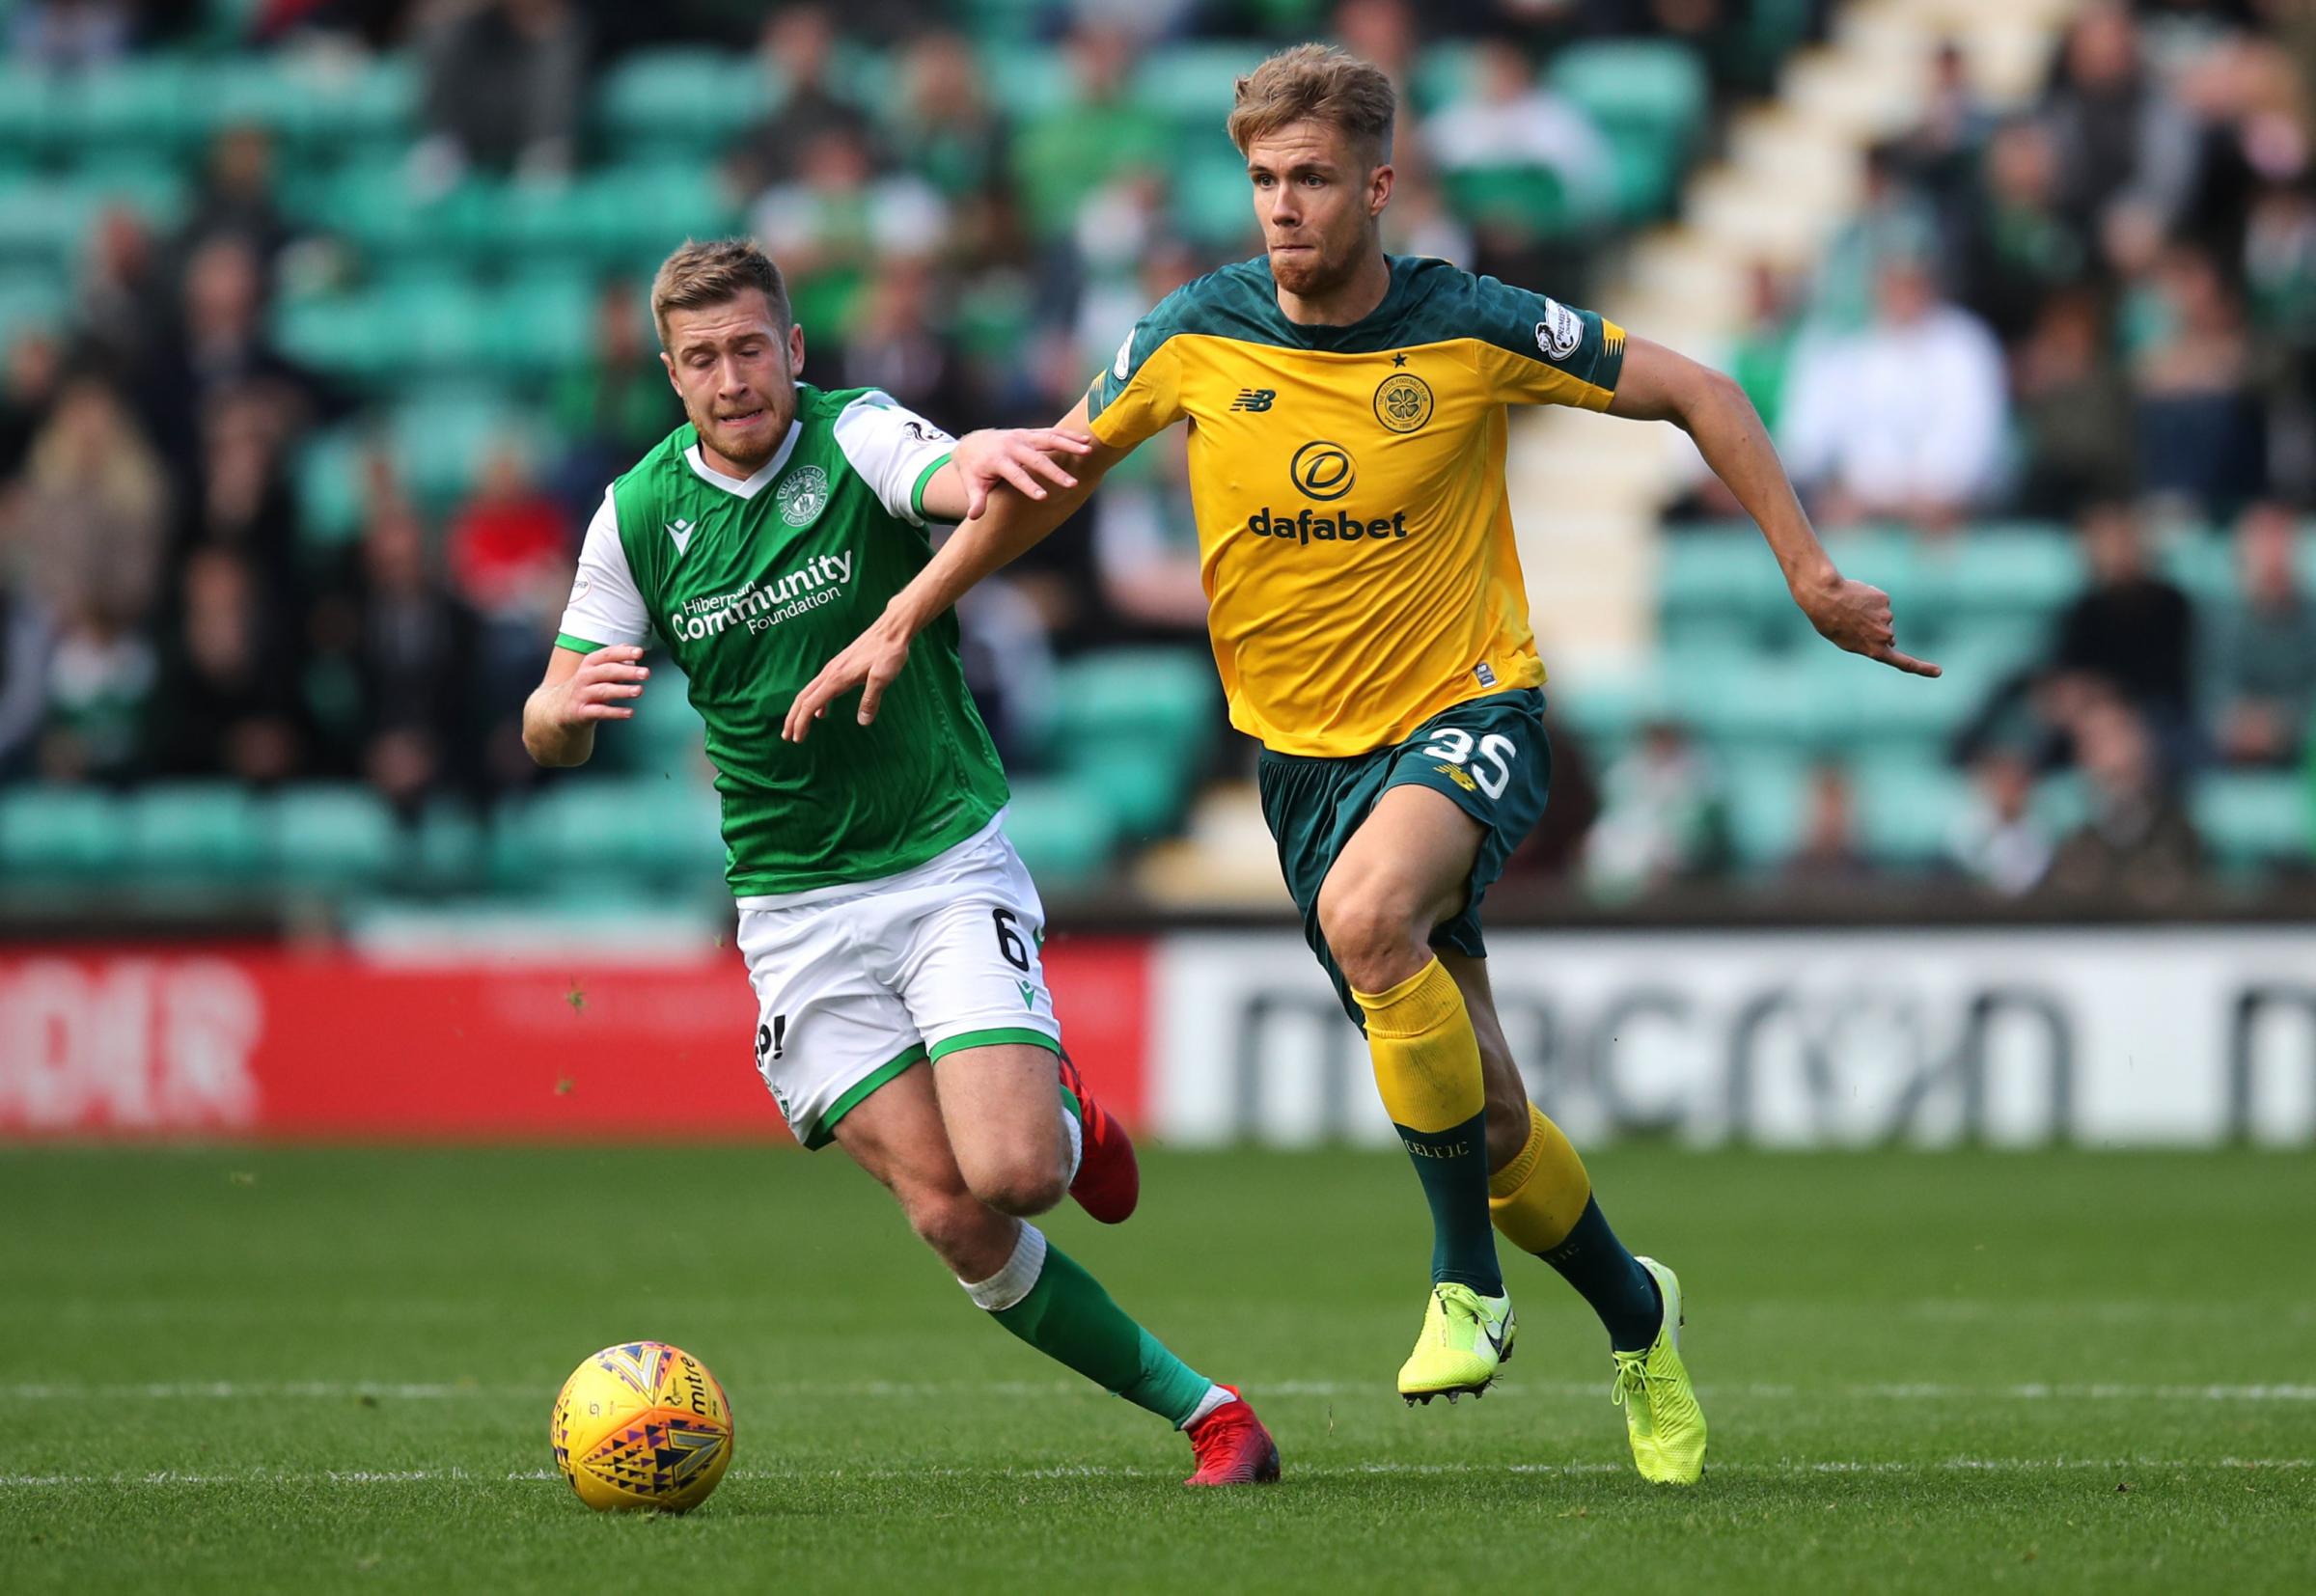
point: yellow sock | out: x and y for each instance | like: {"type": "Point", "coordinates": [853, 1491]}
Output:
{"type": "Point", "coordinates": [1427, 1056]}
{"type": "Point", "coordinates": [1428, 1070]}
{"type": "Point", "coordinates": [1536, 1198]}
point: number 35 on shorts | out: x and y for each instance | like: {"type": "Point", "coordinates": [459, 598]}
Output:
{"type": "Point", "coordinates": [1484, 763]}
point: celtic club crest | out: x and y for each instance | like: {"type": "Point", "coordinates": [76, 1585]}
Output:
{"type": "Point", "coordinates": [1403, 401]}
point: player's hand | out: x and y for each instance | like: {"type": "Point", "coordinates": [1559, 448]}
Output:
{"type": "Point", "coordinates": [603, 688]}
{"type": "Point", "coordinates": [1856, 616]}
{"type": "Point", "coordinates": [1020, 456]}
{"type": "Point", "coordinates": [869, 663]}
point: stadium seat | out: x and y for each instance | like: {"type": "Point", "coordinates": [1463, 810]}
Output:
{"type": "Point", "coordinates": [681, 100]}
{"type": "Point", "coordinates": [49, 833]}
{"type": "Point", "coordinates": [648, 828]}
{"type": "Point", "coordinates": [2251, 818]}
{"type": "Point", "coordinates": [1063, 830]}
{"type": "Point", "coordinates": [333, 837]}
{"type": "Point", "coordinates": [1164, 697]}
{"type": "Point", "coordinates": [207, 831]}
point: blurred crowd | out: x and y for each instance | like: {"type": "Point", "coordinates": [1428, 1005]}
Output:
{"type": "Point", "coordinates": [2107, 293]}
{"type": "Point", "coordinates": [165, 613]}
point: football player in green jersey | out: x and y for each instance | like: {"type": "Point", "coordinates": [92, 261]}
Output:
{"type": "Point", "coordinates": [890, 932]}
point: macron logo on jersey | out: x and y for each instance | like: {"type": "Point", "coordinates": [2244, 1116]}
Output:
{"type": "Point", "coordinates": [681, 531]}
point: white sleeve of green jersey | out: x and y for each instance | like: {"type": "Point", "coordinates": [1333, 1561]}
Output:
{"type": "Point", "coordinates": [894, 451]}
{"type": "Point", "coordinates": [606, 608]}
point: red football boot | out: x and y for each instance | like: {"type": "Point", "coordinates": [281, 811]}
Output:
{"type": "Point", "coordinates": [1108, 1182]}
{"type": "Point", "coordinates": [1232, 1447]}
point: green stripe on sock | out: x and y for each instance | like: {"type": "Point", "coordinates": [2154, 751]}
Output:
{"type": "Point", "coordinates": [1072, 1319]}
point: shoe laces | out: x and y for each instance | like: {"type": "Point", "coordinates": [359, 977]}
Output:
{"type": "Point", "coordinates": [1632, 1378]}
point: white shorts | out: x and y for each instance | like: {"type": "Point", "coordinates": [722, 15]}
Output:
{"type": "Point", "coordinates": [855, 984]}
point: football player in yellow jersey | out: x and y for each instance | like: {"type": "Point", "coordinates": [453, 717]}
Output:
{"type": "Point", "coordinates": [1348, 414]}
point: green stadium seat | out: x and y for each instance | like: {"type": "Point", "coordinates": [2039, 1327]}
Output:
{"type": "Point", "coordinates": [49, 833]}
{"type": "Point", "coordinates": [334, 837]}
{"type": "Point", "coordinates": [1063, 830]}
{"type": "Point", "coordinates": [648, 827]}
{"type": "Point", "coordinates": [1649, 97]}
{"type": "Point", "coordinates": [449, 848]}
{"type": "Point", "coordinates": [1213, 203]}
{"type": "Point", "coordinates": [1908, 807]}
{"type": "Point", "coordinates": [207, 831]}
{"type": "Point", "coordinates": [29, 300]}
{"type": "Point", "coordinates": [2251, 818]}
{"type": "Point", "coordinates": [148, 105]}
{"type": "Point", "coordinates": [1531, 198]}
{"type": "Point", "coordinates": [681, 98]}
{"type": "Point", "coordinates": [1195, 83]}
{"type": "Point", "coordinates": [1028, 80]}
{"type": "Point", "coordinates": [1766, 795]}
{"type": "Point", "coordinates": [1163, 697]}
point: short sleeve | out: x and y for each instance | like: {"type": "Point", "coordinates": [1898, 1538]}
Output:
{"type": "Point", "coordinates": [1139, 394]}
{"type": "Point", "coordinates": [894, 451]}
{"type": "Point", "coordinates": [606, 607]}
{"type": "Point", "coordinates": [1547, 353]}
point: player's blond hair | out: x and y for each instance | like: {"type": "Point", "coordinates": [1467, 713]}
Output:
{"type": "Point", "coordinates": [715, 272]}
{"type": "Point", "coordinates": [1316, 83]}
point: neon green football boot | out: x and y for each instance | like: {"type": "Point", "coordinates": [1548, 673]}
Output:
{"type": "Point", "coordinates": [1465, 1338]}
{"type": "Point", "coordinates": [1661, 1415]}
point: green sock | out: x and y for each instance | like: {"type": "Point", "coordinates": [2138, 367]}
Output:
{"type": "Point", "coordinates": [1065, 1314]}
{"type": "Point", "coordinates": [1453, 1167]}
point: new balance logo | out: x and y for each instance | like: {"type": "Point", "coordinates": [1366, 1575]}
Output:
{"type": "Point", "coordinates": [1254, 398]}
{"type": "Point", "coordinates": [681, 531]}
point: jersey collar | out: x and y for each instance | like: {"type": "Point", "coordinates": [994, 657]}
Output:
{"type": "Point", "coordinates": [764, 472]}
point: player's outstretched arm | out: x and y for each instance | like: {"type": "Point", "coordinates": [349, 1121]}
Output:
{"type": "Point", "coordinates": [581, 691]}
{"type": "Point", "coordinates": [1011, 523]}
{"type": "Point", "coordinates": [1028, 458]}
{"type": "Point", "coordinates": [1659, 385]}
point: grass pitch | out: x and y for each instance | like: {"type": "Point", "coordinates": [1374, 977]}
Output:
{"type": "Point", "coordinates": [319, 1370]}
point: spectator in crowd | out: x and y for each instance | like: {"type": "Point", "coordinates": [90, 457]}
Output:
{"type": "Point", "coordinates": [226, 700]}
{"type": "Point", "coordinates": [1420, 221]}
{"type": "Point", "coordinates": [1941, 151]}
{"type": "Point", "coordinates": [236, 198]}
{"type": "Point", "coordinates": [1891, 223]}
{"type": "Point", "coordinates": [832, 223]}
{"type": "Point", "coordinates": [2137, 842]}
{"type": "Point", "coordinates": [1099, 130]}
{"type": "Point", "coordinates": [1663, 817]}
{"type": "Point", "coordinates": [2197, 428]}
{"type": "Point", "coordinates": [614, 403]}
{"type": "Point", "coordinates": [1998, 843]}
{"type": "Point", "coordinates": [2263, 664]}
{"type": "Point", "coordinates": [2126, 150]}
{"type": "Point", "coordinates": [510, 546]}
{"type": "Point", "coordinates": [1903, 421]}
{"type": "Point", "coordinates": [1383, 31]}
{"type": "Point", "coordinates": [415, 651]}
{"type": "Point", "coordinates": [2128, 635]}
{"type": "Point", "coordinates": [124, 293]}
{"type": "Point", "coordinates": [2280, 265]}
{"type": "Point", "coordinates": [2017, 246]}
{"type": "Point", "coordinates": [2074, 409]}
{"type": "Point", "coordinates": [28, 388]}
{"type": "Point", "coordinates": [88, 523]}
{"type": "Point", "coordinates": [27, 638]}
{"type": "Point", "coordinates": [798, 51]}
{"type": "Point", "coordinates": [1829, 852]}
{"type": "Point", "coordinates": [896, 345]}
{"type": "Point", "coordinates": [69, 36]}
{"type": "Point", "coordinates": [946, 130]}
{"type": "Point", "coordinates": [1512, 122]}
{"type": "Point", "coordinates": [1146, 547]}
{"type": "Point", "coordinates": [226, 349]}
{"type": "Point", "coordinates": [100, 676]}
{"type": "Point", "coordinates": [240, 497]}
{"type": "Point", "coordinates": [502, 86]}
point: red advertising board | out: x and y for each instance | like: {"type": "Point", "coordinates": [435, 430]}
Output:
{"type": "Point", "coordinates": [274, 1042]}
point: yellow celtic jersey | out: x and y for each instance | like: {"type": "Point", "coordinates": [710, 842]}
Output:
{"type": "Point", "coordinates": [1354, 532]}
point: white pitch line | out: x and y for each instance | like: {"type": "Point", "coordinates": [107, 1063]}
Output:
{"type": "Point", "coordinates": [1783, 1470]}
{"type": "Point", "coordinates": [232, 1390]}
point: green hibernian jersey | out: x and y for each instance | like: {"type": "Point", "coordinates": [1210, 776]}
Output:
{"type": "Point", "coordinates": [753, 586]}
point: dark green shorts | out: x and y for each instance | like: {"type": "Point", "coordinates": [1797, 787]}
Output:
{"type": "Point", "coordinates": [1488, 755]}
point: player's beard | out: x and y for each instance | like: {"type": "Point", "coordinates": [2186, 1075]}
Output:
{"type": "Point", "coordinates": [753, 448]}
{"type": "Point", "coordinates": [1319, 271]}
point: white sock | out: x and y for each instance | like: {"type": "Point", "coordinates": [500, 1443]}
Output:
{"type": "Point", "coordinates": [1077, 1144]}
{"type": "Point", "coordinates": [1010, 1284]}
{"type": "Point", "coordinates": [1214, 1399]}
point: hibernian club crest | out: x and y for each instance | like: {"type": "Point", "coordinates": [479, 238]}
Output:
{"type": "Point", "coordinates": [803, 495]}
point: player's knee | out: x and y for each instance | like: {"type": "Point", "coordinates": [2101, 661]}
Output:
{"type": "Point", "coordinates": [1020, 1186]}
{"type": "Point", "coordinates": [956, 1225]}
{"type": "Point", "coordinates": [1508, 1121]}
{"type": "Point", "coordinates": [1373, 936]}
